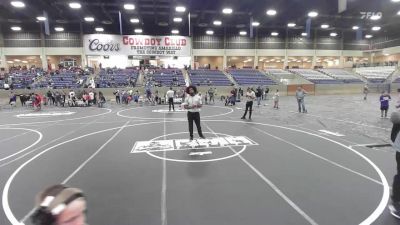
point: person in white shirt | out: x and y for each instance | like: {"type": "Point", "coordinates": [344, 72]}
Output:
{"type": "Point", "coordinates": [276, 99]}
{"type": "Point", "coordinates": [193, 103]}
{"type": "Point", "coordinates": [170, 96]}
{"type": "Point", "coordinates": [250, 96]}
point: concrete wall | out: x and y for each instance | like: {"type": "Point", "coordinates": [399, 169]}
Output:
{"type": "Point", "coordinates": [336, 89]}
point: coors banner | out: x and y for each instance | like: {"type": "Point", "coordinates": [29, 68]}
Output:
{"type": "Point", "coordinates": [104, 44]}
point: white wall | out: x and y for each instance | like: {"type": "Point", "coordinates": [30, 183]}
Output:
{"type": "Point", "coordinates": [300, 52]}
{"type": "Point", "coordinates": [63, 51]}
{"type": "Point", "coordinates": [208, 52]}
{"type": "Point", "coordinates": [271, 52]}
{"type": "Point", "coordinates": [328, 52]}
{"type": "Point", "coordinates": [240, 52]}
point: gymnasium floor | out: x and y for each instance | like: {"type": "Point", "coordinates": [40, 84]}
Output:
{"type": "Point", "coordinates": [280, 168]}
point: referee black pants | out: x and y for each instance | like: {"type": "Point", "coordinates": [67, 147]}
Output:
{"type": "Point", "coordinates": [249, 107]}
{"type": "Point", "coordinates": [194, 116]}
{"type": "Point", "coordinates": [171, 103]}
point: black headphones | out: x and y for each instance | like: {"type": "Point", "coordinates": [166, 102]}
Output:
{"type": "Point", "coordinates": [44, 215]}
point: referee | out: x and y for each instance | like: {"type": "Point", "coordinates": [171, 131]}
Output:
{"type": "Point", "coordinates": [170, 96]}
{"type": "Point", "coordinates": [250, 95]}
{"type": "Point", "coordinates": [193, 104]}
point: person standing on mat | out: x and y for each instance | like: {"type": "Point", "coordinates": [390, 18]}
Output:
{"type": "Point", "coordinates": [170, 96]}
{"type": "Point", "coordinates": [384, 99]}
{"type": "Point", "coordinates": [193, 104]}
{"type": "Point", "coordinates": [300, 94]}
{"type": "Point", "coordinates": [250, 96]}
{"type": "Point", "coordinates": [394, 207]}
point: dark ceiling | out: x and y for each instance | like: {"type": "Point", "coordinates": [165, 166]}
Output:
{"type": "Point", "coordinates": [152, 13]}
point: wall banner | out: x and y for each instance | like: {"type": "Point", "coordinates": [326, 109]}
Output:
{"type": "Point", "coordinates": [104, 44]}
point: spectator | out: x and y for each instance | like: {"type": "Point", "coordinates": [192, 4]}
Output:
{"type": "Point", "coordinates": [250, 95]}
{"type": "Point", "coordinates": [384, 99]}
{"type": "Point", "coordinates": [300, 94]}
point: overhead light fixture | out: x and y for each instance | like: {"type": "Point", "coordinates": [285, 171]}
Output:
{"type": "Point", "coordinates": [386, 54]}
{"type": "Point", "coordinates": [356, 27]}
{"type": "Point", "coordinates": [209, 32]}
{"type": "Point", "coordinates": [227, 11]}
{"type": "Point", "coordinates": [18, 4]}
{"type": "Point", "coordinates": [291, 24]}
{"type": "Point", "coordinates": [271, 12]}
{"type": "Point", "coordinates": [255, 24]}
{"type": "Point", "coordinates": [243, 33]}
{"type": "Point", "coordinates": [138, 31]}
{"type": "Point", "coordinates": [24, 61]}
{"type": "Point", "coordinates": [129, 6]}
{"type": "Point", "coordinates": [17, 60]}
{"type": "Point", "coordinates": [180, 9]}
{"type": "Point", "coordinates": [324, 26]}
{"type": "Point", "coordinates": [376, 28]}
{"type": "Point", "coordinates": [75, 5]}
{"type": "Point", "coordinates": [59, 29]}
{"type": "Point", "coordinates": [177, 19]}
{"type": "Point", "coordinates": [15, 28]}
{"type": "Point", "coordinates": [303, 34]}
{"type": "Point", "coordinates": [376, 17]}
{"type": "Point", "coordinates": [175, 31]}
{"type": "Point", "coordinates": [89, 19]}
{"type": "Point", "coordinates": [368, 36]}
{"type": "Point", "coordinates": [313, 14]}
{"type": "Point", "coordinates": [395, 0]}
{"type": "Point", "coordinates": [217, 23]}
{"type": "Point", "coordinates": [134, 20]}
{"type": "Point", "coordinates": [99, 29]}
{"type": "Point", "coordinates": [274, 34]}
{"type": "Point", "coordinates": [333, 34]}
{"type": "Point", "coordinates": [41, 18]}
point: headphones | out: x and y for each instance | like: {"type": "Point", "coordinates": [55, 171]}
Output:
{"type": "Point", "coordinates": [52, 202]}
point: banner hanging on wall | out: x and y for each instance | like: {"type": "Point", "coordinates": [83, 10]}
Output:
{"type": "Point", "coordinates": [104, 44]}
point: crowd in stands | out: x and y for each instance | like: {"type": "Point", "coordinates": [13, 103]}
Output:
{"type": "Point", "coordinates": [113, 78]}
{"type": "Point", "coordinates": [163, 77]}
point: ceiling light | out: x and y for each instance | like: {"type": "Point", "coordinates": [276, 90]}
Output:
{"type": "Point", "coordinates": [255, 24]}
{"type": "Point", "coordinates": [75, 5]}
{"type": "Point", "coordinates": [243, 33]}
{"type": "Point", "coordinates": [16, 28]}
{"type": "Point", "coordinates": [175, 31]}
{"type": "Point", "coordinates": [274, 34]}
{"type": "Point", "coordinates": [376, 28]}
{"type": "Point", "coordinates": [303, 34]}
{"type": "Point", "coordinates": [59, 29]}
{"type": "Point", "coordinates": [395, 0]}
{"type": "Point", "coordinates": [398, 13]}
{"type": "Point", "coordinates": [24, 61]}
{"type": "Point", "coordinates": [313, 14]}
{"type": "Point", "coordinates": [209, 32]}
{"type": "Point", "coordinates": [180, 9]}
{"type": "Point", "coordinates": [324, 26]}
{"type": "Point", "coordinates": [271, 12]}
{"type": "Point", "coordinates": [291, 24]}
{"type": "Point", "coordinates": [386, 54]}
{"type": "Point", "coordinates": [41, 18]}
{"type": "Point", "coordinates": [368, 36]}
{"type": "Point", "coordinates": [138, 31]}
{"type": "Point", "coordinates": [89, 19]}
{"type": "Point", "coordinates": [376, 17]}
{"type": "Point", "coordinates": [134, 20]}
{"type": "Point", "coordinates": [227, 11]}
{"type": "Point", "coordinates": [333, 34]}
{"type": "Point", "coordinates": [18, 4]}
{"type": "Point", "coordinates": [129, 6]}
{"type": "Point", "coordinates": [177, 19]}
{"type": "Point", "coordinates": [99, 29]}
{"type": "Point", "coordinates": [217, 23]}
{"type": "Point", "coordinates": [356, 27]}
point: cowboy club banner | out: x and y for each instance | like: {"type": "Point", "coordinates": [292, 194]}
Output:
{"type": "Point", "coordinates": [104, 44]}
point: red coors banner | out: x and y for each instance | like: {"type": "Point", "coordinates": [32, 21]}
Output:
{"type": "Point", "coordinates": [103, 44]}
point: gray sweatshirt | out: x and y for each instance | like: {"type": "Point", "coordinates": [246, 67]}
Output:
{"type": "Point", "coordinates": [300, 94]}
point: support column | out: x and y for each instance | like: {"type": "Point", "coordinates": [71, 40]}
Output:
{"type": "Point", "coordinates": [224, 61]}
{"type": "Point", "coordinates": [3, 62]}
{"type": "Point", "coordinates": [314, 59]}
{"type": "Point", "coordinates": [286, 60]}
{"type": "Point", "coordinates": [43, 56]}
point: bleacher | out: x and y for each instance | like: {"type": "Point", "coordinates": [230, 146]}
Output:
{"type": "Point", "coordinates": [315, 76]}
{"type": "Point", "coordinates": [341, 74]}
{"type": "Point", "coordinates": [377, 74]}
{"type": "Point", "coordinates": [168, 77]}
{"type": "Point", "coordinates": [250, 77]}
{"type": "Point", "coordinates": [64, 80]}
{"type": "Point", "coordinates": [22, 79]}
{"type": "Point", "coordinates": [204, 77]}
{"type": "Point", "coordinates": [116, 78]}
{"type": "Point", "coordinates": [278, 73]}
